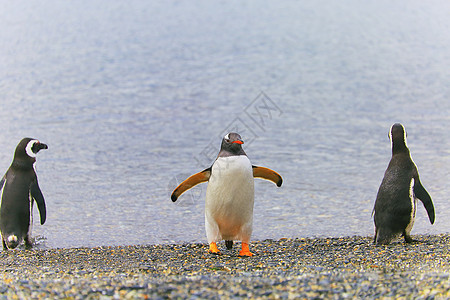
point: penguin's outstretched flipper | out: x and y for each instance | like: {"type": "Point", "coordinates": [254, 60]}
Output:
{"type": "Point", "coordinates": [421, 193]}
{"type": "Point", "coordinates": [268, 174]}
{"type": "Point", "coordinates": [192, 181]}
{"type": "Point", "coordinates": [36, 193]}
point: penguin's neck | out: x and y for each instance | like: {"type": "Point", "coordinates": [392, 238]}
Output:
{"type": "Point", "coordinates": [398, 148]}
{"type": "Point", "coordinates": [21, 165]}
{"type": "Point", "coordinates": [226, 153]}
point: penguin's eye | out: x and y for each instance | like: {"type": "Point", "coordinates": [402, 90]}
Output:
{"type": "Point", "coordinates": [228, 141]}
{"type": "Point", "coordinates": [34, 147]}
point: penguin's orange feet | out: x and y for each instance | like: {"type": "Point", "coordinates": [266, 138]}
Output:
{"type": "Point", "coordinates": [245, 251]}
{"type": "Point", "coordinates": [213, 248]}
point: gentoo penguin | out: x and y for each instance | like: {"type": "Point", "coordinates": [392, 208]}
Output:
{"type": "Point", "coordinates": [19, 188]}
{"type": "Point", "coordinates": [229, 195]}
{"type": "Point", "coordinates": [395, 206]}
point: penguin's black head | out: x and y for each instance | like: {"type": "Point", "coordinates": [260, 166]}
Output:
{"type": "Point", "coordinates": [38, 146]}
{"type": "Point", "coordinates": [28, 148]}
{"type": "Point", "coordinates": [232, 144]}
{"type": "Point", "coordinates": [397, 135]}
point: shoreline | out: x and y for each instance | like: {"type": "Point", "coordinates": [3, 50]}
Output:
{"type": "Point", "coordinates": [335, 268]}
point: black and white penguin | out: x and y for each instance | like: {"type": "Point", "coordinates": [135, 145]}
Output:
{"type": "Point", "coordinates": [19, 189]}
{"type": "Point", "coordinates": [229, 195]}
{"type": "Point", "coordinates": [395, 206]}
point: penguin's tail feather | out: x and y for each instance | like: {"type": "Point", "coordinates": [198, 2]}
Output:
{"type": "Point", "coordinates": [229, 244]}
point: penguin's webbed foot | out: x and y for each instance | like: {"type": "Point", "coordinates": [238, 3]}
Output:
{"type": "Point", "coordinates": [245, 251]}
{"type": "Point", "coordinates": [213, 249]}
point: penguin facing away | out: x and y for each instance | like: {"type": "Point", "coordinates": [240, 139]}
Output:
{"type": "Point", "coordinates": [229, 195]}
{"type": "Point", "coordinates": [395, 205]}
{"type": "Point", "coordinates": [19, 189]}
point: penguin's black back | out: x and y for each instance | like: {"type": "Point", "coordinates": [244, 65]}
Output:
{"type": "Point", "coordinates": [393, 202]}
{"type": "Point", "coordinates": [15, 212]}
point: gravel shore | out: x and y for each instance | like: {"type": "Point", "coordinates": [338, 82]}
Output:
{"type": "Point", "coordinates": [331, 268]}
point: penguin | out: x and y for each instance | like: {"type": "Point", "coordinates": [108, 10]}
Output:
{"type": "Point", "coordinates": [229, 195]}
{"type": "Point", "coordinates": [19, 189]}
{"type": "Point", "coordinates": [395, 206]}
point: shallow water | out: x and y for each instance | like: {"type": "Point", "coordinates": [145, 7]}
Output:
{"type": "Point", "coordinates": [134, 97]}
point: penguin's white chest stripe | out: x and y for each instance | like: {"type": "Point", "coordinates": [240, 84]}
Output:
{"type": "Point", "coordinates": [30, 198]}
{"type": "Point", "coordinates": [1, 196]}
{"type": "Point", "coordinates": [413, 206]}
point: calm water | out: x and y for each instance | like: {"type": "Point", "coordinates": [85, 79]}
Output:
{"type": "Point", "coordinates": [133, 96]}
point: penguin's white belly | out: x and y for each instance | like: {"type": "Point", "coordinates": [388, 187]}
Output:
{"type": "Point", "coordinates": [229, 199]}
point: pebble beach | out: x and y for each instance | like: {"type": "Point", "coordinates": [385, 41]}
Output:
{"type": "Point", "coordinates": [323, 268]}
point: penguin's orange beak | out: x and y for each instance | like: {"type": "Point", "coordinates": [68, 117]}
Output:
{"type": "Point", "coordinates": [238, 142]}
